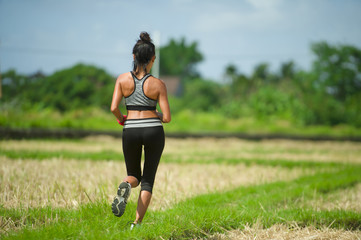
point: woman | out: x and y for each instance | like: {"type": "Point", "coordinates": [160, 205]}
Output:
{"type": "Point", "coordinates": [142, 126]}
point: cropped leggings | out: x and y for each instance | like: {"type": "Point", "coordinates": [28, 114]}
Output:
{"type": "Point", "coordinates": [136, 134]}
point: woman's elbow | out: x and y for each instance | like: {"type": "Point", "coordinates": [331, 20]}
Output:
{"type": "Point", "coordinates": [166, 119]}
{"type": "Point", "coordinates": [113, 109]}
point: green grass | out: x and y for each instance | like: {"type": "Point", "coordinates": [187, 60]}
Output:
{"type": "Point", "coordinates": [267, 204]}
{"type": "Point", "coordinates": [282, 202]}
{"type": "Point", "coordinates": [167, 158]}
{"type": "Point", "coordinates": [184, 121]}
{"type": "Point", "coordinates": [41, 155]}
{"type": "Point", "coordinates": [90, 118]}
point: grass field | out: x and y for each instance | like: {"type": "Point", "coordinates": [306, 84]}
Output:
{"type": "Point", "coordinates": [185, 121]}
{"type": "Point", "coordinates": [205, 189]}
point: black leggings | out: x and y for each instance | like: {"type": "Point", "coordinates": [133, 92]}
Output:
{"type": "Point", "coordinates": [152, 138]}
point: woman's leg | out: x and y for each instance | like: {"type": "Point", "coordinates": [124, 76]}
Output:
{"type": "Point", "coordinates": [153, 140]}
{"type": "Point", "coordinates": [143, 203]}
{"type": "Point", "coordinates": [133, 181]}
{"type": "Point", "coordinates": [132, 150]}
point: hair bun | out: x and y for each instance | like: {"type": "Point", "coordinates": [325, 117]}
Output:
{"type": "Point", "coordinates": [144, 36]}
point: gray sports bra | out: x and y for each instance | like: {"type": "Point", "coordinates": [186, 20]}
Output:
{"type": "Point", "coordinates": [137, 100]}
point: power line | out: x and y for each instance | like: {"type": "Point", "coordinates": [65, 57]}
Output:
{"type": "Point", "coordinates": [257, 55]}
{"type": "Point", "coordinates": [48, 51]}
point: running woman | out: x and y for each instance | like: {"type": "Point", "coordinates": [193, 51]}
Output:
{"type": "Point", "coordinates": [142, 126]}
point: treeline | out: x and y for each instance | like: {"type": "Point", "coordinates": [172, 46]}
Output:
{"type": "Point", "coordinates": [68, 89]}
{"type": "Point", "coordinates": [328, 94]}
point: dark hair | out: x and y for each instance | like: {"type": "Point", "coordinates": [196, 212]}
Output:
{"type": "Point", "coordinates": [143, 51]}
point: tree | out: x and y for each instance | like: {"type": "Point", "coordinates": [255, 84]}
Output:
{"type": "Point", "coordinates": [202, 95]}
{"type": "Point", "coordinates": [337, 69]}
{"type": "Point", "coordinates": [230, 73]}
{"type": "Point", "coordinates": [78, 86]}
{"type": "Point", "coordinates": [261, 71]}
{"type": "Point", "coordinates": [179, 58]}
{"type": "Point", "coordinates": [13, 85]}
{"type": "Point", "coordinates": [239, 84]}
{"type": "Point", "coordinates": [287, 70]}
{"type": "Point", "coordinates": [71, 88]}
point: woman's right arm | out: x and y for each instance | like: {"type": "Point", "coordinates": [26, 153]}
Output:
{"type": "Point", "coordinates": [117, 97]}
{"type": "Point", "coordinates": [165, 116]}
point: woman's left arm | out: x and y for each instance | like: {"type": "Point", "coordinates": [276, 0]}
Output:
{"type": "Point", "coordinates": [165, 116]}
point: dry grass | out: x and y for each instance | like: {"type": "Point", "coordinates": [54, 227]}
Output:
{"type": "Point", "coordinates": [282, 232]}
{"type": "Point", "coordinates": [232, 148]}
{"type": "Point", "coordinates": [68, 183]}
{"type": "Point", "coordinates": [209, 148]}
{"type": "Point", "coordinates": [345, 199]}
{"type": "Point", "coordinates": [176, 182]}
{"type": "Point", "coordinates": [55, 182]}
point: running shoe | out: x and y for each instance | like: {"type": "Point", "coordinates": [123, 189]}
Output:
{"type": "Point", "coordinates": [120, 201]}
{"type": "Point", "coordinates": [134, 225]}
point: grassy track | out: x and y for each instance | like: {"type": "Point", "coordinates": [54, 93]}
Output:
{"type": "Point", "coordinates": [289, 190]}
{"type": "Point", "coordinates": [204, 215]}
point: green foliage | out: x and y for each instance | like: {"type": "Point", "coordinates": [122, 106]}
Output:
{"type": "Point", "coordinates": [76, 87]}
{"type": "Point", "coordinates": [329, 94]}
{"type": "Point", "coordinates": [270, 101]}
{"type": "Point", "coordinates": [85, 118]}
{"type": "Point", "coordinates": [201, 95]}
{"type": "Point", "coordinates": [337, 69]}
{"type": "Point", "coordinates": [13, 84]}
{"type": "Point", "coordinates": [287, 70]}
{"type": "Point", "coordinates": [353, 109]}
{"type": "Point", "coordinates": [178, 58]}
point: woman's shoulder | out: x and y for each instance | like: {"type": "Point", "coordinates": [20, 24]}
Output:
{"type": "Point", "coordinates": [156, 81]}
{"type": "Point", "coordinates": [124, 77]}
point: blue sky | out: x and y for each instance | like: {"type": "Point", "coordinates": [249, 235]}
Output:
{"type": "Point", "coordinates": [50, 35]}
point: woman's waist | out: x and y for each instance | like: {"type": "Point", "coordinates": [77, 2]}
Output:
{"type": "Point", "coordinates": [133, 114]}
{"type": "Point", "coordinates": [143, 122]}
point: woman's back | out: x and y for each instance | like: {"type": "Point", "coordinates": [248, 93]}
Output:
{"type": "Point", "coordinates": [153, 89]}
{"type": "Point", "coordinates": [151, 85]}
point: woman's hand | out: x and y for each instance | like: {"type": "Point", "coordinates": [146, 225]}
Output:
{"type": "Point", "coordinates": [123, 121]}
{"type": "Point", "coordinates": [160, 115]}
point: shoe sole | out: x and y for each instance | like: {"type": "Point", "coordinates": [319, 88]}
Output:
{"type": "Point", "coordinates": [120, 201]}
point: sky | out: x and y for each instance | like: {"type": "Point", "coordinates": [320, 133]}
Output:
{"type": "Point", "coordinates": [50, 35]}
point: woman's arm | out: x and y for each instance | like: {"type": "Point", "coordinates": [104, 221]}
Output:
{"type": "Point", "coordinates": [117, 97]}
{"type": "Point", "coordinates": [165, 116]}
